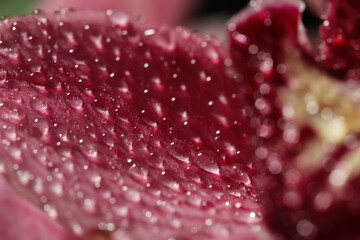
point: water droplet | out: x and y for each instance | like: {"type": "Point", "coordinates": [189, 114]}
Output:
{"type": "Point", "coordinates": [15, 153]}
{"type": "Point", "coordinates": [2, 168]}
{"type": "Point", "coordinates": [194, 200]}
{"type": "Point", "coordinates": [70, 39]}
{"type": "Point", "coordinates": [12, 114]}
{"type": "Point", "coordinates": [176, 223]}
{"type": "Point", "coordinates": [118, 19]}
{"type": "Point", "coordinates": [77, 229]}
{"type": "Point", "coordinates": [57, 188]}
{"type": "Point", "coordinates": [24, 177]}
{"type": "Point", "coordinates": [40, 106]}
{"type": "Point", "coordinates": [180, 151]}
{"type": "Point", "coordinates": [61, 131]}
{"type": "Point", "coordinates": [323, 201]}
{"type": "Point", "coordinates": [39, 186]}
{"type": "Point", "coordinates": [90, 151]}
{"type": "Point", "coordinates": [3, 76]}
{"type": "Point", "coordinates": [238, 205]}
{"type": "Point", "coordinates": [69, 166]}
{"type": "Point", "coordinates": [133, 195]}
{"type": "Point", "coordinates": [166, 41]}
{"type": "Point", "coordinates": [13, 58]}
{"type": "Point", "coordinates": [172, 184]}
{"type": "Point", "coordinates": [305, 228]}
{"type": "Point", "coordinates": [51, 211]}
{"type": "Point", "coordinates": [213, 55]}
{"type": "Point", "coordinates": [338, 177]}
{"type": "Point", "coordinates": [208, 161]}
{"type": "Point", "coordinates": [104, 112]}
{"type": "Point", "coordinates": [96, 179]}
{"type": "Point", "coordinates": [121, 211]}
{"type": "Point", "coordinates": [219, 231]}
{"type": "Point", "coordinates": [208, 222]}
{"type": "Point", "coordinates": [89, 205]}
{"type": "Point", "coordinates": [139, 173]}
{"type": "Point", "coordinates": [75, 103]}
{"type": "Point", "coordinates": [10, 134]}
{"type": "Point", "coordinates": [312, 107]}
{"type": "Point", "coordinates": [42, 126]}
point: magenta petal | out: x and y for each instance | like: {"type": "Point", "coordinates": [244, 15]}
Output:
{"type": "Point", "coordinates": [258, 39]}
{"type": "Point", "coordinates": [21, 220]}
{"type": "Point", "coordinates": [310, 195]}
{"type": "Point", "coordinates": [161, 11]}
{"type": "Point", "coordinates": [125, 130]}
{"type": "Point", "coordinates": [341, 38]}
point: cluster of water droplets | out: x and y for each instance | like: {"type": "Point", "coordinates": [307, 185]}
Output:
{"type": "Point", "coordinates": [107, 126]}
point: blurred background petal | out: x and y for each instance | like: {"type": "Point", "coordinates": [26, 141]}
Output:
{"type": "Point", "coordinates": [169, 11]}
{"type": "Point", "coordinates": [20, 220]}
{"type": "Point", "coordinates": [208, 16]}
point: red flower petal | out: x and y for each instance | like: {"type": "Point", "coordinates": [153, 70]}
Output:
{"type": "Point", "coordinates": [306, 119]}
{"type": "Point", "coordinates": [341, 38]}
{"type": "Point", "coordinates": [125, 130]}
{"type": "Point", "coordinates": [31, 223]}
{"type": "Point", "coordinates": [162, 11]}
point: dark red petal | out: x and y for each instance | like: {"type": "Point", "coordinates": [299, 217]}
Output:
{"type": "Point", "coordinates": [313, 192]}
{"type": "Point", "coordinates": [341, 38]}
{"type": "Point", "coordinates": [125, 130]}
{"type": "Point", "coordinates": [261, 38]}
